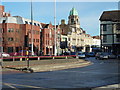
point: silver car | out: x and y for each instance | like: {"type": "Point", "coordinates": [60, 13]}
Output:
{"type": "Point", "coordinates": [81, 55]}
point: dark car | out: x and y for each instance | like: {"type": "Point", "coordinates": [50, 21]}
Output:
{"type": "Point", "coordinates": [112, 56]}
{"type": "Point", "coordinates": [90, 54]}
{"type": "Point", "coordinates": [118, 56]}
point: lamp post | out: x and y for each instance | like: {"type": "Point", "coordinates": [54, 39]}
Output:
{"type": "Point", "coordinates": [55, 49]}
{"type": "Point", "coordinates": [32, 29]}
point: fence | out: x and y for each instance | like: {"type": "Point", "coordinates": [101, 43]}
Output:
{"type": "Point", "coordinates": [36, 58]}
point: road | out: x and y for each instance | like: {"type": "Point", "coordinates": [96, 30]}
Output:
{"type": "Point", "coordinates": [100, 73]}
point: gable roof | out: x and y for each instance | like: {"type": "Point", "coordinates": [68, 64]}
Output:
{"type": "Point", "coordinates": [110, 16]}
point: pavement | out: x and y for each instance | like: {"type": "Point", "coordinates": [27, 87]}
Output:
{"type": "Point", "coordinates": [108, 87]}
{"type": "Point", "coordinates": [46, 65]}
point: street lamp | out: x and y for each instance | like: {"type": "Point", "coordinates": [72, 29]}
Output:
{"type": "Point", "coordinates": [32, 29]}
{"type": "Point", "coordinates": [55, 50]}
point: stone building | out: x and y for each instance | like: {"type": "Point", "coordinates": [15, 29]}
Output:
{"type": "Point", "coordinates": [110, 31]}
{"type": "Point", "coordinates": [78, 40]}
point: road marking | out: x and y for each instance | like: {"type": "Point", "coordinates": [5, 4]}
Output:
{"type": "Point", "coordinates": [10, 85]}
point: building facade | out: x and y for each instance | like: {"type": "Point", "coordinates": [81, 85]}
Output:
{"type": "Point", "coordinates": [48, 39]}
{"type": "Point", "coordinates": [15, 32]}
{"type": "Point", "coordinates": [78, 40]}
{"type": "Point", "coordinates": [1, 39]}
{"type": "Point", "coordinates": [18, 33]}
{"type": "Point", "coordinates": [110, 31]}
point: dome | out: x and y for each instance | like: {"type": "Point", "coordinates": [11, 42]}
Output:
{"type": "Point", "coordinates": [73, 12]}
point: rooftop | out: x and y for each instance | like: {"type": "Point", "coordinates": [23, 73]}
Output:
{"type": "Point", "coordinates": [73, 12]}
{"type": "Point", "coordinates": [110, 15]}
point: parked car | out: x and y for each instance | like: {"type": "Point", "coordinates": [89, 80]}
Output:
{"type": "Point", "coordinates": [90, 54]}
{"type": "Point", "coordinates": [81, 55]}
{"type": "Point", "coordinates": [118, 56]}
{"type": "Point", "coordinates": [97, 55]}
{"type": "Point", "coordinates": [111, 56]}
{"type": "Point", "coordinates": [4, 54]}
{"type": "Point", "coordinates": [102, 55]}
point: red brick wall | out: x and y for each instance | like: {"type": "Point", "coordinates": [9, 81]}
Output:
{"type": "Point", "coordinates": [36, 34]}
{"type": "Point", "coordinates": [18, 35]}
{"type": "Point", "coordinates": [48, 41]}
{"type": "Point", "coordinates": [0, 36]}
{"type": "Point", "coordinates": [1, 10]}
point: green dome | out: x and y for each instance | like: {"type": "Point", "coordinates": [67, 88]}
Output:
{"type": "Point", "coordinates": [73, 12]}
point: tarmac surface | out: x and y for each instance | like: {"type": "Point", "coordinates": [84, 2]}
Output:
{"type": "Point", "coordinates": [100, 75]}
{"type": "Point", "coordinates": [46, 65]}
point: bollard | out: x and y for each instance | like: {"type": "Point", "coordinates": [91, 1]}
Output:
{"type": "Point", "coordinates": [20, 59]}
{"type": "Point", "coordinates": [66, 57]}
{"type": "Point", "coordinates": [38, 58]}
{"type": "Point", "coordinates": [53, 57]}
{"type": "Point", "coordinates": [13, 59]}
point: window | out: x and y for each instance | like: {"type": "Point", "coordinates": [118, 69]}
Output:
{"type": "Point", "coordinates": [37, 40]}
{"type": "Point", "coordinates": [38, 24]}
{"type": "Point", "coordinates": [118, 26]}
{"type": "Point", "coordinates": [4, 21]}
{"type": "Point", "coordinates": [0, 30]}
{"type": "Point", "coordinates": [26, 22]}
{"type": "Point", "coordinates": [33, 40]}
{"type": "Point", "coordinates": [10, 30]}
{"type": "Point", "coordinates": [10, 39]}
{"type": "Point", "coordinates": [104, 27]}
{"type": "Point", "coordinates": [72, 21]}
{"type": "Point", "coordinates": [35, 24]}
{"type": "Point", "coordinates": [30, 23]}
{"type": "Point", "coordinates": [69, 39]}
{"type": "Point", "coordinates": [104, 38]}
{"type": "Point", "coordinates": [0, 39]}
{"type": "Point", "coordinates": [0, 49]}
{"type": "Point", "coordinates": [118, 38]}
{"type": "Point", "coordinates": [10, 49]}
{"type": "Point", "coordinates": [17, 30]}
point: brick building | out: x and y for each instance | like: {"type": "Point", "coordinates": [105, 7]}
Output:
{"type": "Point", "coordinates": [48, 39]}
{"type": "Point", "coordinates": [2, 14]}
{"type": "Point", "coordinates": [48, 35]}
{"type": "Point", "coordinates": [0, 39]}
{"type": "Point", "coordinates": [17, 32]}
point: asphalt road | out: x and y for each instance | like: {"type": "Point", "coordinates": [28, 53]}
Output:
{"type": "Point", "coordinates": [101, 73]}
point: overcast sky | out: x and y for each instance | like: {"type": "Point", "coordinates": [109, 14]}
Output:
{"type": "Point", "coordinates": [89, 12]}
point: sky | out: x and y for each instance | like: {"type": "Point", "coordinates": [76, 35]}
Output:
{"type": "Point", "coordinates": [89, 12]}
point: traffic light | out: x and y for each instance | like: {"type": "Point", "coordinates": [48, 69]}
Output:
{"type": "Point", "coordinates": [26, 43]}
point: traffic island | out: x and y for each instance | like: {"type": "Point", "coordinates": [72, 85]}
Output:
{"type": "Point", "coordinates": [47, 65]}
